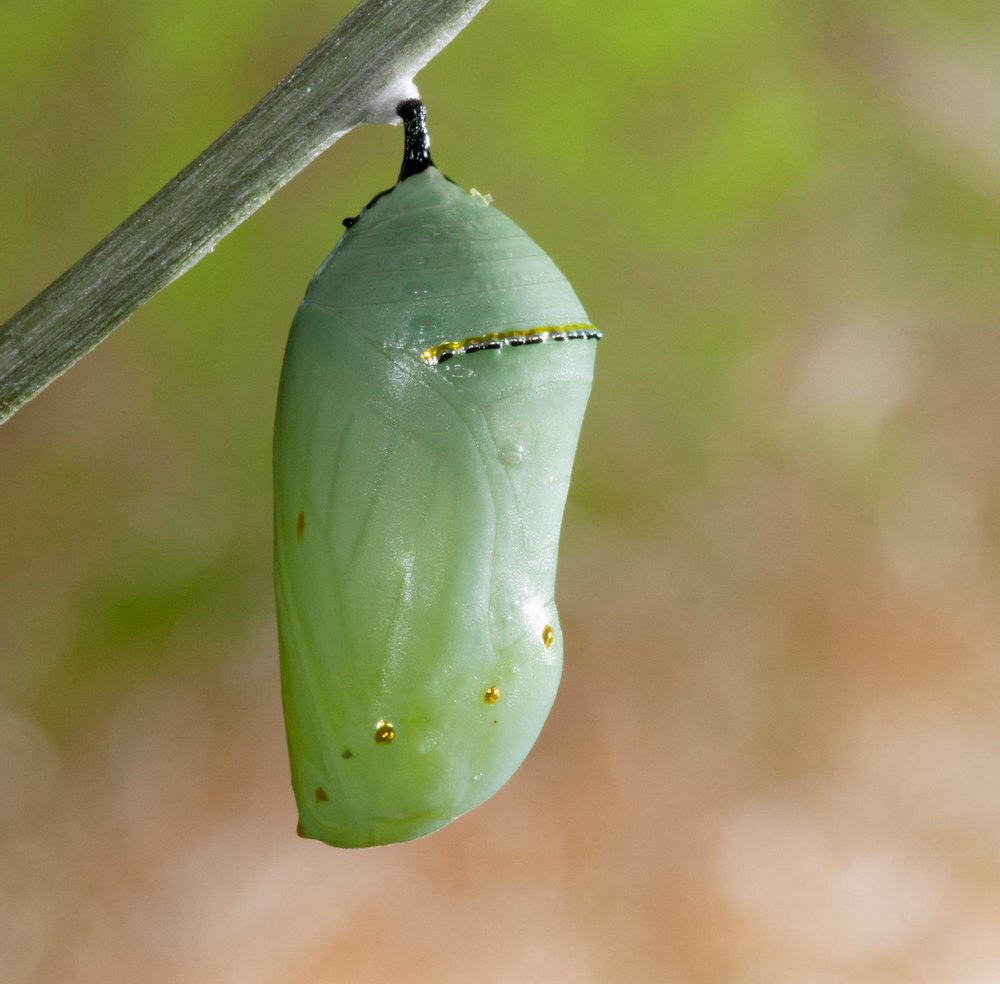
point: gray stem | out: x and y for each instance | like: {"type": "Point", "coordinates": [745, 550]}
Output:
{"type": "Point", "coordinates": [354, 75]}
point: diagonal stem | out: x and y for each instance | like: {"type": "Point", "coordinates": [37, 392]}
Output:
{"type": "Point", "coordinates": [356, 74]}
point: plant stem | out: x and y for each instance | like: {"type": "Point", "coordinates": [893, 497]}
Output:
{"type": "Point", "coordinates": [356, 74]}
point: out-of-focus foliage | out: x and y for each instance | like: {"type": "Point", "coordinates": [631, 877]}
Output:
{"type": "Point", "coordinates": [776, 755]}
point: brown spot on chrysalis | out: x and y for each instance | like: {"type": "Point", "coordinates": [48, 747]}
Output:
{"type": "Point", "coordinates": [320, 795]}
{"type": "Point", "coordinates": [492, 695]}
{"type": "Point", "coordinates": [300, 830]}
{"type": "Point", "coordinates": [547, 636]}
{"type": "Point", "coordinates": [346, 754]}
{"type": "Point", "coordinates": [300, 524]}
{"type": "Point", "coordinates": [385, 733]}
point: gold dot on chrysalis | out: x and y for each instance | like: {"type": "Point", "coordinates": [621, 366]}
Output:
{"type": "Point", "coordinates": [547, 636]}
{"type": "Point", "coordinates": [384, 733]}
{"type": "Point", "coordinates": [492, 695]}
{"type": "Point", "coordinates": [300, 524]}
{"type": "Point", "coordinates": [320, 795]}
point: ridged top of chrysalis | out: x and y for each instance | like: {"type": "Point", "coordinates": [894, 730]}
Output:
{"type": "Point", "coordinates": [428, 238]}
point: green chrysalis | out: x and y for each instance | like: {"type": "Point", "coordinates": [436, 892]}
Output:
{"type": "Point", "coordinates": [422, 451]}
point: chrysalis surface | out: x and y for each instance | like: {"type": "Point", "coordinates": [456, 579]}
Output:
{"type": "Point", "coordinates": [431, 398]}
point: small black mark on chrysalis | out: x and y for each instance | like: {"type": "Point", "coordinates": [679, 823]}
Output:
{"type": "Point", "coordinates": [350, 220]}
{"type": "Point", "coordinates": [347, 754]}
{"type": "Point", "coordinates": [300, 524]}
{"type": "Point", "coordinates": [320, 795]}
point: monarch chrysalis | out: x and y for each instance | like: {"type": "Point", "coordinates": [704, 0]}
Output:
{"type": "Point", "coordinates": [422, 451]}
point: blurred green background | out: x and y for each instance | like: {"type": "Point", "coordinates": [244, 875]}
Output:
{"type": "Point", "coordinates": [775, 758]}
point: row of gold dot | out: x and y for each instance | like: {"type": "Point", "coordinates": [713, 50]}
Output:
{"type": "Point", "coordinates": [517, 336]}
{"type": "Point", "coordinates": [385, 731]}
